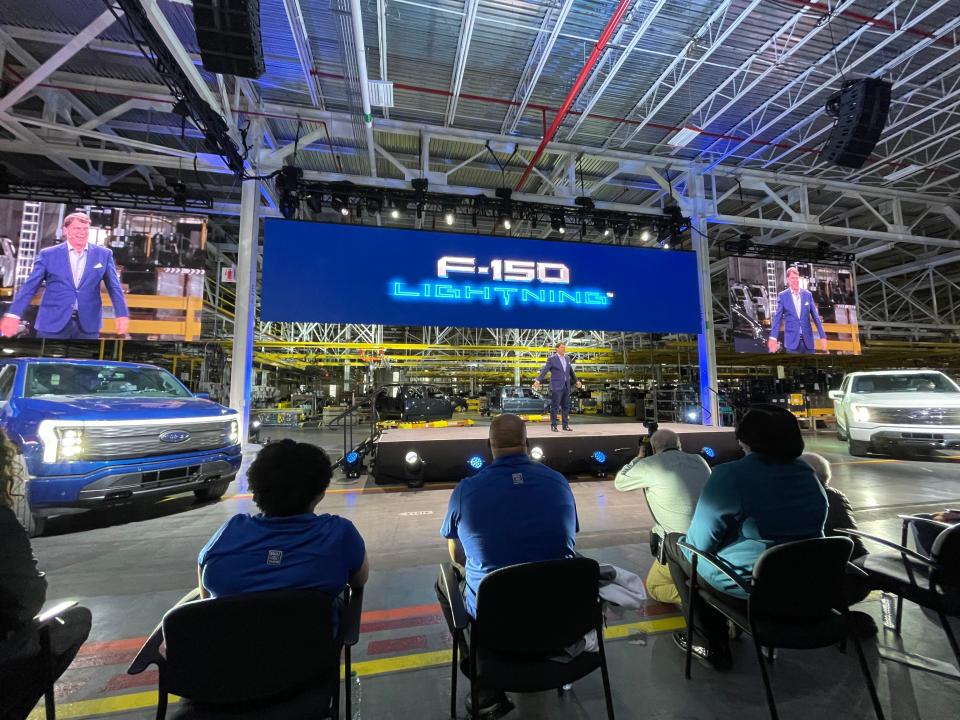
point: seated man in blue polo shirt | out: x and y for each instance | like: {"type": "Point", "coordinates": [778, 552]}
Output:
{"type": "Point", "coordinates": [513, 511]}
{"type": "Point", "coordinates": [287, 546]}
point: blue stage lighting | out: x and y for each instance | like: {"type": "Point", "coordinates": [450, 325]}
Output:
{"type": "Point", "coordinates": [352, 457]}
{"type": "Point", "coordinates": [353, 464]}
{"type": "Point", "coordinates": [476, 462]}
{"type": "Point", "coordinates": [599, 457]}
{"type": "Point", "coordinates": [708, 452]}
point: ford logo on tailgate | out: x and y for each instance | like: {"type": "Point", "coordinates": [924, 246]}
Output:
{"type": "Point", "coordinates": [174, 436]}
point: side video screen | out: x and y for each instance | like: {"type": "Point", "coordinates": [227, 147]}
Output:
{"type": "Point", "coordinates": [90, 273]}
{"type": "Point", "coordinates": [794, 308]}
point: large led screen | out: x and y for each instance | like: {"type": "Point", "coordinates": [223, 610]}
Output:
{"type": "Point", "coordinates": [792, 307]}
{"type": "Point", "coordinates": [316, 272]}
{"type": "Point", "coordinates": [93, 273]}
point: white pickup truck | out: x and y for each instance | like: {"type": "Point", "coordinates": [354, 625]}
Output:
{"type": "Point", "coordinates": [893, 410]}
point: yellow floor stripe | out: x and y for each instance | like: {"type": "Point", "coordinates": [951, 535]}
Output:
{"type": "Point", "coordinates": [131, 702]}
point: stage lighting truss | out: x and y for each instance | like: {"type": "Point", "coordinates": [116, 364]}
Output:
{"type": "Point", "coordinates": [823, 253]}
{"type": "Point", "coordinates": [175, 197]}
{"type": "Point", "coordinates": [502, 212]}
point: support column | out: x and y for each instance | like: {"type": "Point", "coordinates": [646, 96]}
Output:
{"type": "Point", "coordinates": [706, 339]}
{"type": "Point", "coordinates": [241, 368]}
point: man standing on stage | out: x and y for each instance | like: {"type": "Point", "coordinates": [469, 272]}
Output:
{"type": "Point", "coordinates": [71, 273]}
{"type": "Point", "coordinates": [796, 308]}
{"type": "Point", "coordinates": [562, 377]}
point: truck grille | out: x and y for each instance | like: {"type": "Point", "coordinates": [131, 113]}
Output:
{"type": "Point", "coordinates": [915, 416]}
{"type": "Point", "coordinates": [130, 441]}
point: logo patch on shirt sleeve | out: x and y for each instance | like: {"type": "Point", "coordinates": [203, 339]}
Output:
{"type": "Point", "coordinates": [274, 557]}
{"type": "Point", "coordinates": [518, 478]}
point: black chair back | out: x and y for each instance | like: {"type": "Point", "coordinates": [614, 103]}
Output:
{"type": "Point", "coordinates": [946, 553]}
{"type": "Point", "coordinates": [538, 608]}
{"type": "Point", "coordinates": [249, 647]}
{"type": "Point", "coordinates": [800, 581]}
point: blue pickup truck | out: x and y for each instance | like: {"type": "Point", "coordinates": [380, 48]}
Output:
{"type": "Point", "coordinates": [93, 433]}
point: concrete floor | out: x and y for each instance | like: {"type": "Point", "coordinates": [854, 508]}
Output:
{"type": "Point", "coordinates": [130, 565]}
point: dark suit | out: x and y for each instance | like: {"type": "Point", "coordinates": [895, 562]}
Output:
{"type": "Point", "coordinates": [562, 378]}
{"type": "Point", "coordinates": [797, 333]}
{"type": "Point", "coordinates": [56, 317]}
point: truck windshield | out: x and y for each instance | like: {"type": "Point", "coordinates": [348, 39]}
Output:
{"type": "Point", "coordinates": [44, 379]}
{"type": "Point", "coordinates": [926, 382]}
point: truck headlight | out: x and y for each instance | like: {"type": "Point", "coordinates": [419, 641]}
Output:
{"type": "Point", "coordinates": [234, 431]}
{"type": "Point", "coordinates": [861, 413]}
{"type": "Point", "coordinates": [60, 443]}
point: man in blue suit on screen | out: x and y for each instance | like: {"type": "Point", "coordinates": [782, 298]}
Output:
{"type": "Point", "coordinates": [562, 377]}
{"type": "Point", "coordinates": [796, 308]}
{"type": "Point", "coordinates": [71, 273]}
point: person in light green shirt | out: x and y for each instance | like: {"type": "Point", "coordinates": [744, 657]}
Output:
{"type": "Point", "coordinates": [672, 481]}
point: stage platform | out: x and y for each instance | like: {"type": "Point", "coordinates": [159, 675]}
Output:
{"type": "Point", "coordinates": [445, 453]}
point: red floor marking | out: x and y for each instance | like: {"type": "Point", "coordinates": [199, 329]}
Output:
{"type": "Point", "coordinates": [397, 613]}
{"type": "Point", "coordinates": [402, 623]}
{"type": "Point", "coordinates": [125, 682]}
{"type": "Point", "coordinates": [403, 644]}
{"type": "Point", "coordinates": [124, 645]}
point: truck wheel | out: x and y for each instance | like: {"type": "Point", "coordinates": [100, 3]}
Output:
{"type": "Point", "coordinates": [33, 524]}
{"type": "Point", "coordinates": [213, 491]}
{"type": "Point", "coordinates": [858, 448]}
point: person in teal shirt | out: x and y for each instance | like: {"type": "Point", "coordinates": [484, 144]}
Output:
{"type": "Point", "coordinates": [747, 506]}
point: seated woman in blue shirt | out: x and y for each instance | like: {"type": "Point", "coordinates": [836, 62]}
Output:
{"type": "Point", "coordinates": [747, 506]}
{"type": "Point", "coordinates": [287, 545]}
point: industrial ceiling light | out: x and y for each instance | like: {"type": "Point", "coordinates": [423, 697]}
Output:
{"type": "Point", "coordinates": [507, 222]}
{"type": "Point", "coordinates": [448, 216]}
{"type": "Point", "coordinates": [644, 235]}
{"type": "Point", "coordinates": [683, 137]}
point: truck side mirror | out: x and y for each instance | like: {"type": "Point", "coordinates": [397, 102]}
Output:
{"type": "Point", "coordinates": [835, 394]}
{"type": "Point", "coordinates": [202, 395]}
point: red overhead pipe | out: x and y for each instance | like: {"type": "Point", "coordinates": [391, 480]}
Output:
{"type": "Point", "coordinates": [577, 86]}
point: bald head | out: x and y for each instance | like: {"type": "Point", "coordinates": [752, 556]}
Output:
{"type": "Point", "coordinates": [508, 435]}
{"type": "Point", "coordinates": [665, 440]}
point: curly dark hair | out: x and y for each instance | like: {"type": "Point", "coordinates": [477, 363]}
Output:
{"type": "Point", "coordinates": [287, 477]}
{"type": "Point", "coordinates": [771, 431]}
{"type": "Point", "coordinates": [10, 472]}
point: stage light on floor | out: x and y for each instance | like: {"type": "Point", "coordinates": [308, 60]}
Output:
{"type": "Point", "coordinates": [353, 465]}
{"type": "Point", "coordinates": [536, 453]}
{"type": "Point", "coordinates": [691, 416]}
{"type": "Point", "coordinates": [708, 452]}
{"type": "Point", "coordinates": [599, 462]}
{"type": "Point", "coordinates": [476, 463]}
{"type": "Point", "coordinates": [413, 469]}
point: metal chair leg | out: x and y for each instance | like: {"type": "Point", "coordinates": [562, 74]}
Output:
{"type": "Point", "coordinates": [474, 690]}
{"type": "Point", "coordinates": [766, 679]}
{"type": "Point", "coordinates": [871, 688]}
{"type": "Point", "coordinates": [608, 696]}
{"type": "Point", "coordinates": [347, 685]}
{"type": "Point", "coordinates": [161, 704]}
{"type": "Point", "coordinates": [453, 675]}
{"type": "Point", "coordinates": [951, 638]}
{"type": "Point", "coordinates": [49, 699]}
{"type": "Point", "coordinates": [690, 618]}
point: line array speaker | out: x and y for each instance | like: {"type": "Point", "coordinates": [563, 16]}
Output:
{"type": "Point", "coordinates": [861, 111]}
{"type": "Point", "coordinates": [228, 32]}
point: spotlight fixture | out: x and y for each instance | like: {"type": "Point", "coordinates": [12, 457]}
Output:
{"type": "Point", "coordinates": [507, 222]}
{"type": "Point", "coordinates": [448, 216]}
{"type": "Point", "coordinates": [420, 186]}
{"type": "Point", "coordinates": [585, 202]}
{"type": "Point", "coordinates": [394, 212]}
{"type": "Point", "coordinates": [473, 220]}
{"type": "Point", "coordinates": [644, 235]}
{"type": "Point", "coordinates": [179, 191]}
{"type": "Point", "coordinates": [353, 465]}
{"type": "Point", "coordinates": [341, 204]}
{"type": "Point", "coordinates": [476, 463]}
{"type": "Point", "coordinates": [558, 222]}
{"type": "Point", "coordinates": [598, 460]}
{"type": "Point", "coordinates": [536, 453]}
{"type": "Point", "coordinates": [315, 202]}
{"type": "Point", "coordinates": [708, 452]}
{"type": "Point", "coordinates": [287, 184]}
{"type": "Point", "coordinates": [413, 469]}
